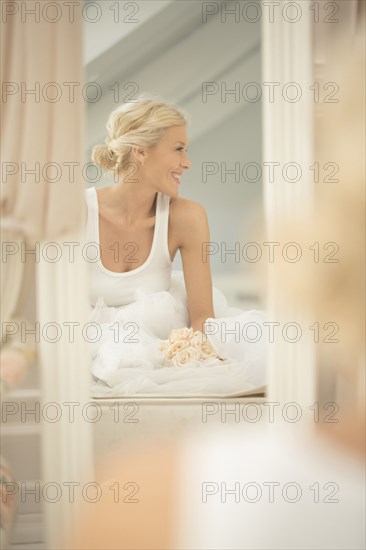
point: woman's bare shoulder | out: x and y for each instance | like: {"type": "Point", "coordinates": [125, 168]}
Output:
{"type": "Point", "coordinates": [181, 209]}
{"type": "Point", "coordinates": [186, 214]}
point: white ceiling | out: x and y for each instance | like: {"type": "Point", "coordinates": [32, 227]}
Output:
{"type": "Point", "coordinates": [170, 51]}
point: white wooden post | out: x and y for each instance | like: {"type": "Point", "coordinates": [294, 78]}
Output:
{"type": "Point", "coordinates": [288, 137]}
{"type": "Point", "coordinates": [67, 450]}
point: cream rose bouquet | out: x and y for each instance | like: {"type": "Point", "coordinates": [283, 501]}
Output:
{"type": "Point", "coordinates": [185, 348]}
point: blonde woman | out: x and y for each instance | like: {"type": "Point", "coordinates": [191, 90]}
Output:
{"type": "Point", "coordinates": [138, 225]}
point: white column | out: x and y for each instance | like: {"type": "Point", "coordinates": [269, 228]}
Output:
{"type": "Point", "coordinates": [288, 138]}
{"type": "Point", "coordinates": [67, 450]}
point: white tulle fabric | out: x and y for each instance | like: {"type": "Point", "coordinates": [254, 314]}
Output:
{"type": "Point", "coordinates": [126, 360]}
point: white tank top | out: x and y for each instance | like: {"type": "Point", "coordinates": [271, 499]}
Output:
{"type": "Point", "coordinates": [118, 289]}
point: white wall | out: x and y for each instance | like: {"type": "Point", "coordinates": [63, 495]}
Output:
{"type": "Point", "coordinates": [232, 206]}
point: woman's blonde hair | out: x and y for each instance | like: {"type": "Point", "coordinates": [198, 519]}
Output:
{"type": "Point", "coordinates": [140, 124]}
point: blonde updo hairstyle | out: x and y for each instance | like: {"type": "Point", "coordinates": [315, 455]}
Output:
{"type": "Point", "coordinates": [140, 124]}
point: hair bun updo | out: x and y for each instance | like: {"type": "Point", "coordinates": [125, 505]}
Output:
{"type": "Point", "coordinates": [104, 157]}
{"type": "Point", "coordinates": [138, 124]}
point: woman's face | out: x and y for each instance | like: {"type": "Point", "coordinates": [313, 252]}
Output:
{"type": "Point", "coordinates": [166, 161]}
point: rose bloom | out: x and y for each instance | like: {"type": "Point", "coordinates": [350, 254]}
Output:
{"type": "Point", "coordinates": [164, 345]}
{"type": "Point", "coordinates": [185, 356]}
{"type": "Point", "coordinates": [199, 335]}
{"type": "Point", "coordinates": [204, 347]}
{"type": "Point", "coordinates": [175, 347]}
{"type": "Point", "coordinates": [180, 334]}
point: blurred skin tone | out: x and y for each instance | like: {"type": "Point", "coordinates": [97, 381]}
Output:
{"type": "Point", "coordinates": [126, 525]}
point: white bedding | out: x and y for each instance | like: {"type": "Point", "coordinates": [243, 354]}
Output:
{"type": "Point", "coordinates": [126, 361]}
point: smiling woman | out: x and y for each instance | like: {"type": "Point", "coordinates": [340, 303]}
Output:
{"type": "Point", "coordinates": [138, 225]}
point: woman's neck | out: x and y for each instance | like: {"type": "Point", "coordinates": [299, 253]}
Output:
{"type": "Point", "coordinates": [131, 202]}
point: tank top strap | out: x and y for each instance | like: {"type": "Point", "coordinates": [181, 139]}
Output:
{"type": "Point", "coordinates": [161, 248]}
{"type": "Point", "coordinates": [162, 225]}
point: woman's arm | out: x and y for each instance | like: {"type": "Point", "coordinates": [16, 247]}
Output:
{"type": "Point", "coordinates": [194, 234]}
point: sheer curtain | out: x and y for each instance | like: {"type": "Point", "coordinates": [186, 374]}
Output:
{"type": "Point", "coordinates": [42, 124]}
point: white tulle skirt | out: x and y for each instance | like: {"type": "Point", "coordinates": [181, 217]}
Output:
{"type": "Point", "coordinates": [126, 360]}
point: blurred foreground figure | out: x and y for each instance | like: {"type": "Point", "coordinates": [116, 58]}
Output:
{"type": "Point", "coordinates": [271, 484]}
